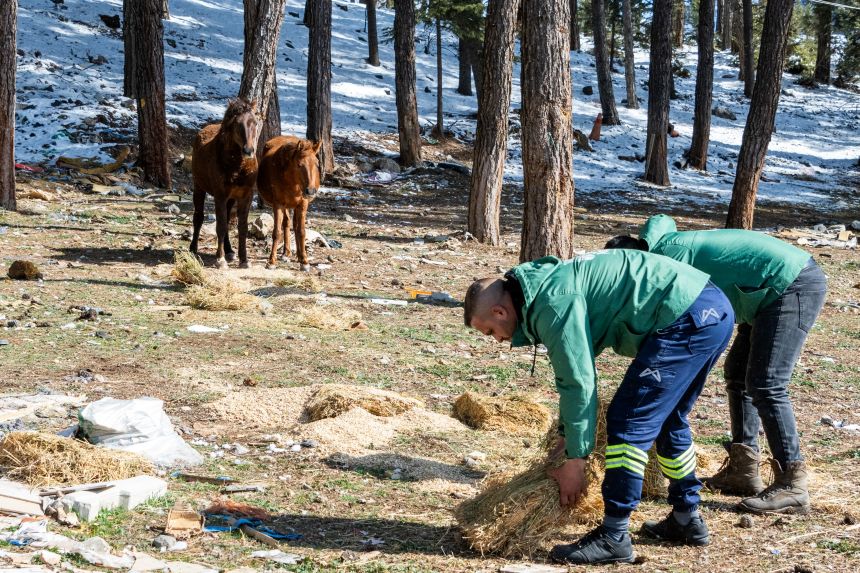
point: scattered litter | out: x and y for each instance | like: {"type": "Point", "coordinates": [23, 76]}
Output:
{"type": "Point", "coordinates": [258, 488]}
{"type": "Point", "coordinates": [183, 522]}
{"type": "Point", "coordinates": [201, 329]}
{"type": "Point", "coordinates": [126, 494]}
{"type": "Point", "coordinates": [138, 426]}
{"type": "Point", "coordinates": [388, 302]}
{"type": "Point", "coordinates": [220, 480]}
{"type": "Point", "coordinates": [435, 297]}
{"type": "Point", "coordinates": [18, 499]}
{"type": "Point", "coordinates": [164, 542]}
{"type": "Point", "coordinates": [278, 556]}
{"type": "Point", "coordinates": [531, 568]}
{"type": "Point", "coordinates": [839, 424]}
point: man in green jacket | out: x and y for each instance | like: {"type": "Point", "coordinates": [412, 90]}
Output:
{"type": "Point", "coordinates": [777, 292]}
{"type": "Point", "coordinates": [665, 315]}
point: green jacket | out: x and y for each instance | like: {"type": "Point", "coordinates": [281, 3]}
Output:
{"type": "Point", "coordinates": [753, 269]}
{"type": "Point", "coordinates": [606, 299]}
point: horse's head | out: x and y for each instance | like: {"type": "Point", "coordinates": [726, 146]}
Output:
{"type": "Point", "coordinates": [306, 162]}
{"type": "Point", "coordinates": [242, 126]}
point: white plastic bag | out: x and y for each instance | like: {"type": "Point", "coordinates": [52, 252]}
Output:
{"type": "Point", "coordinates": [138, 426]}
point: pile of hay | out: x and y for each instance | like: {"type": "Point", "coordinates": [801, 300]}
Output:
{"type": "Point", "coordinates": [516, 513]}
{"type": "Point", "coordinates": [45, 459]}
{"type": "Point", "coordinates": [515, 414]}
{"type": "Point", "coordinates": [209, 291]}
{"type": "Point", "coordinates": [333, 400]}
{"type": "Point", "coordinates": [305, 282]}
{"type": "Point", "coordinates": [318, 316]}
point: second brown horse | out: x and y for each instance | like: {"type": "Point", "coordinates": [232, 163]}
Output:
{"type": "Point", "coordinates": [288, 179]}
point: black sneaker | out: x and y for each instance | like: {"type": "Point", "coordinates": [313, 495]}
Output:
{"type": "Point", "coordinates": [595, 547]}
{"type": "Point", "coordinates": [694, 533]}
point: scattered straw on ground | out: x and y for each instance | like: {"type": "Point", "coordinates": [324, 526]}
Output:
{"type": "Point", "coordinates": [45, 459]}
{"type": "Point", "coordinates": [208, 291]}
{"type": "Point", "coordinates": [304, 282]}
{"type": "Point", "coordinates": [333, 400]}
{"type": "Point", "coordinates": [326, 318]}
{"type": "Point", "coordinates": [515, 414]}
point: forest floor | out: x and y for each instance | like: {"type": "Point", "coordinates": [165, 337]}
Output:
{"type": "Point", "coordinates": [251, 378]}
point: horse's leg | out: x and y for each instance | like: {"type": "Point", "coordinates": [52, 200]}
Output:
{"type": "Point", "coordinates": [228, 249]}
{"type": "Point", "coordinates": [222, 218]}
{"type": "Point", "coordinates": [279, 213]}
{"type": "Point", "coordinates": [287, 251]}
{"type": "Point", "coordinates": [199, 203]}
{"type": "Point", "coordinates": [299, 224]}
{"type": "Point", "coordinates": [243, 210]}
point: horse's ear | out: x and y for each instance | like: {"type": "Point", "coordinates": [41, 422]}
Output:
{"type": "Point", "coordinates": [316, 146]}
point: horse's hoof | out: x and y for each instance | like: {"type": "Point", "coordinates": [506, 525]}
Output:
{"type": "Point", "coordinates": [245, 265]}
{"type": "Point", "coordinates": [271, 265]}
{"type": "Point", "coordinates": [306, 268]}
{"type": "Point", "coordinates": [222, 264]}
{"type": "Point", "coordinates": [230, 257]}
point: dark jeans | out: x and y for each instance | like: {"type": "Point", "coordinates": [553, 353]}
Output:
{"type": "Point", "coordinates": [759, 364]}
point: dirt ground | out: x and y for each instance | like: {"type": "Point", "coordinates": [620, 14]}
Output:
{"type": "Point", "coordinates": [375, 494]}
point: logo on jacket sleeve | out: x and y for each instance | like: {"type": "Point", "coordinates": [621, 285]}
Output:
{"type": "Point", "coordinates": [707, 313]}
{"type": "Point", "coordinates": [652, 372]}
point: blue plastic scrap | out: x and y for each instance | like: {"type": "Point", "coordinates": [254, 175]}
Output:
{"type": "Point", "coordinates": [229, 523]}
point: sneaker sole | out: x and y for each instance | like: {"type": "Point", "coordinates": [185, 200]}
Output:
{"type": "Point", "coordinates": [688, 542]}
{"type": "Point", "coordinates": [792, 510]}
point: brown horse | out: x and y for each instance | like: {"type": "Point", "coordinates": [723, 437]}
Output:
{"type": "Point", "coordinates": [224, 165]}
{"type": "Point", "coordinates": [289, 178]}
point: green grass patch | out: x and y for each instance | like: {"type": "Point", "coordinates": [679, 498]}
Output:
{"type": "Point", "coordinates": [844, 546]}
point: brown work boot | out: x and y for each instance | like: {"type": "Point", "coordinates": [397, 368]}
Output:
{"type": "Point", "coordinates": [739, 474]}
{"type": "Point", "coordinates": [787, 494]}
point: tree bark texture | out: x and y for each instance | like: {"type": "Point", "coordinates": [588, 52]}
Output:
{"type": "Point", "coordinates": [824, 17]}
{"type": "Point", "coordinates": [737, 28]}
{"type": "Point", "coordinates": [372, 34]}
{"type": "Point", "coordinates": [491, 135]}
{"type": "Point", "coordinates": [726, 31]}
{"type": "Point", "coordinates": [601, 59]}
{"type": "Point", "coordinates": [574, 25]}
{"type": "Point", "coordinates": [8, 57]}
{"type": "Point", "coordinates": [748, 67]}
{"type": "Point", "coordinates": [258, 74]}
{"type": "Point", "coordinates": [720, 16]}
{"type": "Point", "coordinates": [143, 33]}
{"type": "Point", "coordinates": [659, 89]}
{"type": "Point", "coordinates": [464, 83]}
{"type": "Point", "coordinates": [698, 157]}
{"type": "Point", "coordinates": [629, 69]}
{"type": "Point", "coordinates": [271, 125]}
{"type": "Point", "coordinates": [319, 82]}
{"type": "Point", "coordinates": [678, 24]}
{"type": "Point", "coordinates": [762, 113]}
{"type": "Point", "coordinates": [546, 135]}
{"type": "Point", "coordinates": [404, 82]}
{"type": "Point", "coordinates": [440, 122]}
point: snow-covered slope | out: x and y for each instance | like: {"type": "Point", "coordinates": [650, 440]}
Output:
{"type": "Point", "coordinates": [71, 104]}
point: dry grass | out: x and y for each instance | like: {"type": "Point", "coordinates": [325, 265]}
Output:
{"type": "Point", "coordinates": [320, 317]}
{"type": "Point", "coordinates": [45, 459]}
{"type": "Point", "coordinates": [335, 399]}
{"type": "Point", "coordinates": [305, 282]}
{"type": "Point", "coordinates": [207, 291]}
{"type": "Point", "coordinates": [515, 414]}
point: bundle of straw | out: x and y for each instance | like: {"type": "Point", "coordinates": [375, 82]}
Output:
{"type": "Point", "coordinates": [335, 399]}
{"type": "Point", "coordinates": [207, 291]}
{"type": "Point", "coordinates": [46, 459]}
{"type": "Point", "coordinates": [514, 515]}
{"type": "Point", "coordinates": [511, 414]}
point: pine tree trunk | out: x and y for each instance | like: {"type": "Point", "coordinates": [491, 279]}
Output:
{"type": "Point", "coordinates": [372, 34]}
{"type": "Point", "coordinates": [272, 117]}
{"type": "Point", "coordinates": [659, 89]}
{"type": "Point", "coordinates": [629, 70]}
{"type": "Point", "coordinates": [762, 113]}
{"type": "Point", "coordinates": [726, 32]}
{"type": "Point", "coordinates": [678, 24]}
{"type": "Point", "coordinates": [8, 27]}
{"type": "Point", "coordinates": [737, 30]}
{"type": "Point", "coordinates": [404, 81]}
{"type": "Point", "coordinates": [491, 135]}
{"type": "Point", "coordinates": [464, 79]}
{"type": "Point", "coordinates": [319, 82]}
{"type": "Point", "coordinates": [748, 67]}
{"type": "Point", "coordinates": [612, 44]}
{"type": "Point", "coordinates": [440, 125]}
{"type": "Point", "coordinates": [258, 73]}
{"type": "Point", "coordinates": [698, 157]}
{"type": "Point", "coordinates": [601, 57]}
{"type": "Point", "coordinates": [574, 25]}
{"type": "Point", "coordinates": [720, 16]}
{"type": "Point", "coordinates": [824, 16]}
{"type": "Point", "coordinates": [476, 61]}
{"type": "Point", "coordinates": [144, 81]}
{"type": "Point", "coordinates": [546, 135]}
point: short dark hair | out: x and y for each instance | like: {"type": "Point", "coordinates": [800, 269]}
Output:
{"type": "Point", "coordinates": [626, 242]}
{"type": "Point", "coordinates": [470, 302]}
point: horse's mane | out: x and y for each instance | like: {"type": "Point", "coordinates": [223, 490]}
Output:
{"type": "Point", "coordinates": [235, 108]}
